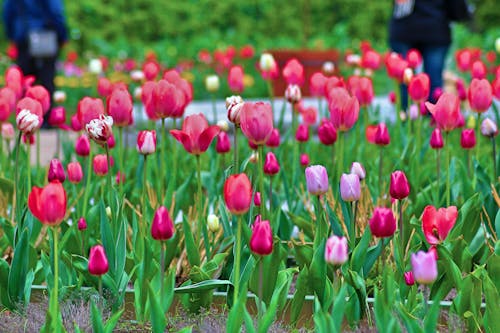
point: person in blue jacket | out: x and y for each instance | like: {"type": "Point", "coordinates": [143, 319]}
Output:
{"type": "Point", "coordinates": [21, 17]}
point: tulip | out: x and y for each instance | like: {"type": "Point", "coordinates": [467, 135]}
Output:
{"type": "Point", "coordinates": [59, 96]}
{"type": "Point", "coordinates": [235, 79]}
{"type": "Point", "coordinates": [419, 87]}
{"type": "Point", "coordinates": [7, 131]}
{"type": "Point", "coordinates": [344, 109]}
{"type": "Point", "coordinates": [163, 99]}
{"type": "Point", "coordinates": [489, 128]}
{"type": "Point", "coordinates": [436, 224]}
{"type": "Point", "coordinates": [238, 193]}
{"type": "Point", "coordinates": [40, 94]}
{"type": "Point", "coordinates": [82, 145]}
{"type": "Point", "coordinates": [120, 178]}
{"type": "Point", "coordinates": [392, 97]}
{"type": "Point", "coordinates": [480, 95]}
{"type": "Point", "coordinates": [399, 188]}
{"type": "Point", "coordinates": [461, 91]}
{"type": "Point", "coordinates": [100, 130]}
{"type": "Point", "coordinates": [48, 204]}
{"type": "Point", "coordinates": [98, 262]}
{"type": "Point", "coordinates": [316, 180]}
{"type": "Point", "coordinates": [58, 117]}
{"type": "Point", "coordinates": [266, 62]}
{"type": "Point", "coordinates": [357, 169]}
{"type": "Point", "coordinates": [89, 109]}
{"type": "Point", "coordinates": [468, 139]}
{"type": "Point", "coordinates": [196, 135]}
{"type": "Point", "coordinates": [382, 137]}
{"type": "Point", "coordinates": [274, 139]}
{"type": "Point", "coordinates": [100, 165]}
{"type": "Point", "coordinates": [436, 140]}
{"type": "Point", "coordinates": [146, 142]}
{"type": "Point", "coordinates": [257, 199]}
{"type": "Point", "coordinates": [212, 83]}
{"type": "Point", "coordinates": [350, 187]}
{"type": "Point", "coordinates": [293, 72]}
{"type": "Point", "coordinates": [362, 88]}
{"type": "Point", "coordinates": [370, 60]}
{"type": "Point", "coordinates": [304, 160]}
{"type": "Point", "coordinates": [56, 171]}
{"type": "Point", "coordinates": [257, 122]}
{"type": "Point", "coordinates": [382, 222]}
{"type": "Point", "coordinates": [327, 133]}
{"type": "Point", "coordinates": [261, 241]}
{"type": "Point", "coordinates": [27, 122]}
{"type": "Point", "coordinates": [336, 251]}
{"type": "Point", "coordinates": [317, 84]}
{"type": "Point", "coordinates": [82, 224]}
{"type": "Point", "coordinates": [446, 111]}
{"type": "Point", "coordinates": [162, 227]}
{"type": "Point", "coordinates": [75, 173]}
{"type": "Point", "coordinates": [213, 223]}
{"type": "Point", "coordinates": [271, 165]}
{"type": "Point", "coordinates": [104, 87]}
{"type": "Point", "coordinates": [395, 66]}
{"type": "Point", "coordinates": [234, 104]}
{"type": "Point", "coordinates": [29, 139]}
{"type": "Point", "coordinates": [414, 58]}
{"type": "Point", "coordinates": [302, 134]}
{"type": "Point", "coordinates": [293, 94]}
{"type": "Point", "coordinates": [223, 144]}
{"type": "Point", "coordinates": [424, 267]}
{"type": "Point", "coordinates": [409, 279]}
{"type": "Point", "coordinates": [120, 105]}
{"type": "Point", "coordinates": [478, 70]}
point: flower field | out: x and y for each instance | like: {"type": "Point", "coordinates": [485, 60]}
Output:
{"type": "Point", "coordinates": [314, 210]}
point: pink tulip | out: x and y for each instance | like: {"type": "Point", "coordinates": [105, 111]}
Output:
{"type": "Point", "coordinates": [409, 279]}
{"type": "Point", "coordinates": [304, 160]}
{"type": "Point", "coordinates": [424, 267]}
{"type": "Point", "coordinates": [357, 169]}
{"type": "Point", "coordinates": [362, 88]}
{"type": "Point", "coordinates": [82, 145]}
{"type": "Point", "coordinates": [316, 180]}
{"type": "Point", "coordinates": [489, 128]}
{"type": "Point", "coordinates": [100, 130]}
{"type": "Point", "coordinates": [119, 105]}
{"type": "Point", "coordinates": [56, 171]}
{"type": "Point", "coordinates": [238, 193]}
{"type": "Point", "coordinates": [257, 199]}
{"type": "Point", "coordinates": [29, 115]}
{"type": "Point", "coordinates": [399, 187]}
{"type": "Point", "coordinates": [271, 165]}
{"type": "Point", "coordinates": [395, 66]}
{"type": "Point", "coordinates": [317, 84]}
{"type": "Point", "coordinates": [274, 139]}
{"type": "Point", "coordinates": [89, 109]}
{"type": "Point", "coordinates": [382, 222]}
{"type": "Point", "coordinates": [350, 187]}
{"type": "Point", "coordinates": [261, 241]}
{"type": "Point", "coordinates": [98, 262]}
{"type": "Point", "coordinates": [146, 142]}
{"type": "Point", "coordinates": [58, 117]}
{"type": "Point", "coordinates": [293, 72]}
{"type": "Point", "coordinates": [437, 223]}
{"type": "Point", "coordinates": [48, 204]}
{"type": "Point", "coordinates": [293, 94]}
{"type": "Point", "coordinates": [162, 227]}
{"type": "Point", "coordinates": [162, 99]}
{"type": "Point", "coordinates": [480, 95]}
{"type": "Point", "coordinates": [40, 94]}
{"type": "Point", "coordinates": [234, 104]}
{"type": "Point", "coordinates": [370, 60]}
{"type": "Point", "coordinates": [82, 224]}
{"type": "Point", "coordinates": [100, 165]}
{"type": "Point", "coordinates": [104, 87]}
{"type": "Point", "coordinates": [382, 137]}
{"type": "Point", "coordinates": [75, 173]}
{"type": "Point", "coordinates": [256, 121]}
{"type": "Point", "coordinates": [419, 87]}
{"type": "Point", "coordinates": [344, 109]}
{"type": "Point", "coordinates": [235, 79]}
{"type": "Point", "coordinates": [468, 139]}
{"type": "Point", "coordinates": [414, 58]}
{"type": "Point", "coordinates": [446, 111]}
{"type": "Point", "coordinates": [336, 251]}
{"type": "Point", "coordinates": [223, 144]}
{"type": "Point", "coordinates": [479, 70]}
{"type": "Point", "coordinates": [436, 141]}
{"type": "Point", "coordinates": [302, 134]}
{"type": "Point", "coordinates": [196, 135]}
{"type": "Point", "coordinates": [327, 133]}
{"type": "Point", "coordinates": [7, 131]}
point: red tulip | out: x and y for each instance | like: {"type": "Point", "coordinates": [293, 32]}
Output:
{"type": "Point", "coordinates": [400, 187]}
{"type": "Point", "coordinates": [382, 137]}
{"type": "Point", "coordinates": [304, 160]}
{"type": "Point", "coordinates": [82, 224]}
{"type": "Point", "coordinates": [317, 84]}
{"type": "Point", "coordinates": [344, 109]}
{"type": "Point", "coordinates": [409, 279]}
{"type": "Point", "coordinates": [146, 142]}
{"type": "Point", "coordinates": [82, 145]}
{"type": "Point", "coordinates": [419, 87]}
{"type": "Point", "coordinates": [56, 171]}
{"type": "Point", "coordinates": [436, 141]}
{"type": "Point", "coordinates": [261, 241]}
{"type": "Point", "coordinates": [274, 139]}
{"type": "Point", "coordinates": [119, 105]}
{"type": "Point", "coordinates": [58, 117]}
{"type": "Point", "coordinates": [468, 139]}
{"type": "Point", "coordinates": [75, 173]}
{"type": "Point", "coordinates": [446, 111]}
{"type": "Point", "coordinates": [362, 88]}
{"type": "Point", "coordinates": [333, 82]}
{"type": "Point", "coordinates": [89, 109]}
{"type": "Point", "coordinates": [271, 165]}
{"type": "Point", "coordinates": [151, 70]}
{"type": "Point", "coordinates": [392, 97]}
{"type": "Point", "coordinates": [98, 262]}
{"type": "Point", "coordinates": [414, 58]}
{"type": "Point", "coordinates": [370, 60]}
{"type": "Point", "coordinates": [256, 199]}
{"type": "Point", "coordinates": [247, 52]}
{"type": "Point", "coordinates": [100, 165]}
{"type": "Point", "coordinates": [293, 72]}
{"type": "Point", "coordinates": [327, 133]}
{"type": "Point", "coordinates": [162, 99]}
{"type": "Point", "coordinates": [238, 193]}
{"type": "Point", "coordinates": [28, 139]}
{"type": "Point", "coordinates": [436, 224]}
{"type": "Point", "coordinates": [395, 66]}
{"type": "Point", "coordinates": [183, 85]}
{"type": "Point", "coordinates": [382, 222]}
{"type": "Point", "coordinates": [479, 70]}
{"type": "Point", "coordinates": [223, 144]}
{"type": "Point", "coordinates": [256, 121]}
{"type": "Point", "coordinates": [48, 204]}
{"type": "Point", "coordinates": [104, 87]}
{"type": "Point", "coordinates": [162, 227]}
{"type": "Point", "coordinates": [196, 136]}
{"type": "Point", "coordinates": [40, 94]}
{"type": "Point", "coordinates": [480, 95]}
{"type": "Point", "coordinates": [302, 134]}
{"type": "Point", "coordinates": [235, 79]}
{"type": "Point", "coordinates": [463, 59]}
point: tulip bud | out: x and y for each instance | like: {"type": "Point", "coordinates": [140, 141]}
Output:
{"type": "Point", "coordinates": [436, 140]}
{"type": "Point", "coordinates": [293, 94]}
{"type": "Point", "coordinates": [271, 165]}
{"type": "Point", "coordinates": [100, 129]}
{"type": "Point", "coordinates": [266, 62]}
{"type": "Point", "coordinates": [162, 227]}
{"type": "Point", "coordinates": [399, 188]}
{"type": "Point", "coordinates": [274, 138]}
{"type": "Point", "coordinates": [409, 280]}
{"type": "Point", "coordinates": [233, 106]}
{"type": "Point", "coordinates": [8, 131]}
{"type": "Point", "coordinates": [213, 223]}
{"type": "Point", "coordinates": [256, 199]}
{"type": "Point", "coordinates": [100, 165]}
{"type": "Point", "coordinates": [336, 252]}
{"type": "Point", "coordinates": [108, 212]}
{"type": "Point", "coordinates": [75, 173]}
{"type": "Point", "coordinates": [98, 262]}
{"type": "Point", "coordinates": [316, 179]}
{"type": "Point", "coordinates": [468, 139]}
{"type": "Point", "coordinates": [327, 133]}
{"type": "Point", "coordinates": [261, 241]}
{"type": "Point", "coordinates": [223, 144]}
{"type": "Point", "coordinates": [27, 122]}
{"type": "Point", "coordinates": [29, 139]}
{"type": "Point", "coordinates": [111, 141]}
{"type": "Point", "coordinates": [238, 193]}
{"type": "Point", "coordinates": [56, 171]}
{"type": "Point", "coordinates": [82, 145]}
{"type": "Point", "coordinates": [392, 97]}
{"type": "Point", "coordinates": [489, 128]}
{"type": "Point", "coordinates": [75, 123]}
{"type": "Point", "coordinates": [382, 137]}
{"type": "Point", "coordinates": [383, 222]}
{"type": "Point", "coordinates": [304, 160]}
{"type": "Point", "coordinates": [350, 187]}
{"type": "Point", "coordinates": [424, 267]}
{"type": "Point", "coordinates": [223, 125]}
{"type": "Point", "coordinates": [357, 169]}
{"type": "Point", "coordinates": [212, 83]}
{"type": "Point", "coordinates": [497, 45]}
{"type": "Point", "coordinates": [82, 224]}
{"type": "Point", "coordinates": [59, 96]}
{"type": "Point", "coordinates": [302, 134]}
{"type": "Point", "coordinates": [120, 177]}
{"type": "Point", "coordinates": [146, 142]}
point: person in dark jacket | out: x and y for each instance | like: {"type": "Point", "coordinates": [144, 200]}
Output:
{"type": "Point", "coordinates": [21, 17]}
{"type": "Point", "coordinates": [424, 25]}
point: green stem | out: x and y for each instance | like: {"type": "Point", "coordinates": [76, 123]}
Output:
{"type": "Point", "coordinates": [320, 231]}
{"type": "Point", "coordinates": [87, 185]}
{"type": "Point", "coordinates": [354, 208]}
{"type": "Point", "coordinates": [100, 288]}
{"type": "Point", "coordinates": [16, 170]}
{"type": "Point", "coordinates": [467, 156]}
{"type": "Point", "coordinates": [55, 237]}
{"type": "Point", "coordinates": [110, 181]}
{"type": "Point", "coordinates": [173, 179]}
{"type": "Point", "coordinates": [271, 195]}
{"type": "Point", "coordinates": [237, 261]}
{"type": "Point", "coordinates": [28, 164]}
{"type": "Point", "coordinates": [261, 293]}
{"type": "Point", "coordinates": [400, 202]}
{"type": "Point", "coordinates": [122, 146]}
{"type": "Point", "coordinates": [262, 207]}
{"type": "Point", "coordinates": [494, 155]}
{"type": "Point", "coordinates": [37, 149]}
{"type": "Point", "coordinates": [214, 108]}
{"type": "Point", "coordinates": [162, 267]}
{"type": "Point", "coordinates": [202, 227]}
{"type": "Point", "coordinates": [340, 166]}
{"type": "Point", "coordinates": [236, 166]}
{"type": "Point", "coordinates": [478, 135]}
{"type": "Point", "coordinates": [271, 93]}
{"type": "Point", "coordinates": [295, 162]}
{"type": "Point", "coordinates": [163, 157]}
{"type": "Point", "coordinates": [380, 170]}
{"type": "Point", "coordinates": [438, 173]}
{"type": "Point", "coordinates": [448, 157]}
{"type": "Point", "coordinates": [144, 200]}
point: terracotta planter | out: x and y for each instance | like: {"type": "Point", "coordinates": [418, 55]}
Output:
{"type": "Point", "coordinates": [312, 60]}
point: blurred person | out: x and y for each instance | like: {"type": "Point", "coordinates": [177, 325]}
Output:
{"type": "Point", "coordinates": [424, 25]}
{"type": "Point", "coordinates": [38, 29]}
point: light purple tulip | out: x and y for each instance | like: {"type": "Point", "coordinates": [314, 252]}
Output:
{"type": "Point", "coordinates": [317, 179]}
{"type": "Point", "coordinates": [424, 267]}
{"type": "Point", "coordinates": [350, 187]}
{"type": "Point", "coordinates": [357, 168]}
{"type": "Point", "coordinates": [336, 252]}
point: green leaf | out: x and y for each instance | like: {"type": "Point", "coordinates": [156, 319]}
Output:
{"type": "Point", "coordinates": [305, 225]}
{"type": "Point", "coordinates": [158, 321]}
{"type": "Point", "coordinates": [469, 219]}
{"type": "Point", "coordinates": [202, 286]}
{"type": "Point", "coordinates": [492, 295]}
{"type": "Point", "coordinates": [19, 270]}
{"type": "Point", "coordinates": [236, 315]}
{"type": "Point", "coordinates": [96, 318]}
{"type": "Point", "coordinates": [112, 321]}
{"type": "Point", "coordinates": [191, 248]}
{"type": "Point", "coordinates": [338, 309]}
{"type": "Point", "coordinates": [301, 289]}
{"type": "Point", "coordinates": [359, 253]}
{"type": "Point", "coordinates": [318, 272]}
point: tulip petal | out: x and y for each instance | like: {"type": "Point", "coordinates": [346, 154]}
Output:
{"type": "Point", "coordinates": [34, 203]}
{"type": "Point", "coordinates": [429, 225]}
{"type": "Point", "coordinates": [207, 136]}
{"type": "Point", "coordinates": [183, 138]}
{"type": "Point", "coordinates": [446, 220]}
